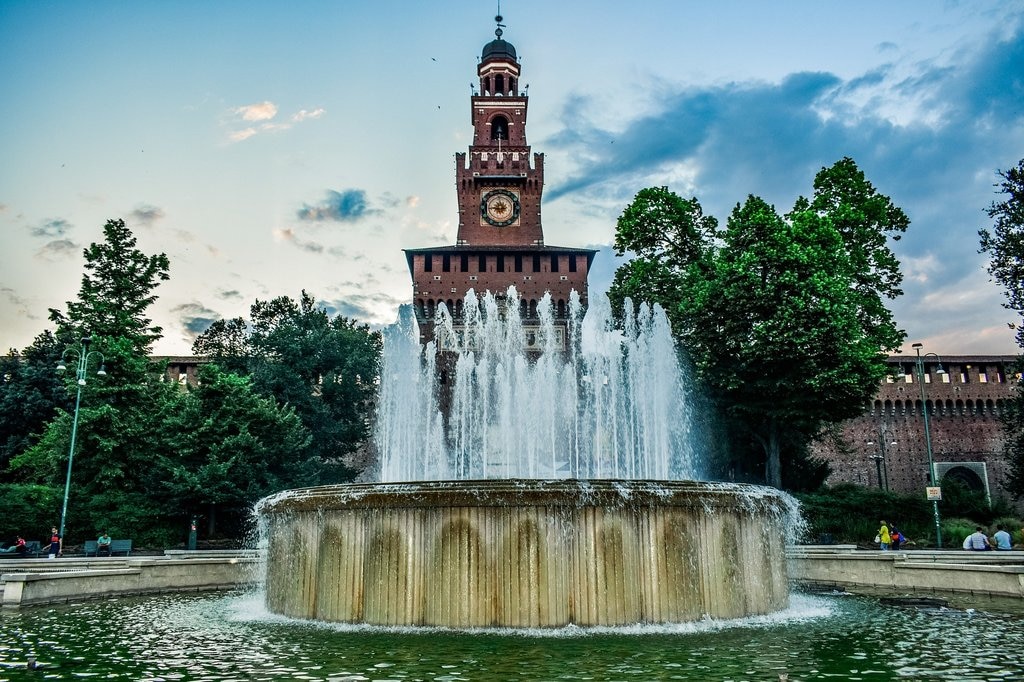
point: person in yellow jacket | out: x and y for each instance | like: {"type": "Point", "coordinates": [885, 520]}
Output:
{"type": "Point", "coordinates": [883, 536]}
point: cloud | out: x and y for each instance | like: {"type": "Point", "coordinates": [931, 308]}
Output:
{"type": "Point", "coordinates": [239, 135]}
{"type": "Point", "coordinates": [195, 317]}
{"type": "Point", "coordinates": [287, 234]}
{"type": "Point", "coordinates": [59, 249]}
{"type": "Point", "coordinates": [365, 308]}
{"type": "Point", "coordinates": [253, 119]}
{"type": "Point", "coordinates": [264, 111]}
{"type": "Point", "coordinates": [231, 295]}
{"type": "Point", "coordinates": [145, 215]}
{"type": "Point", "coordinates": [346, 206]}
{"type": "Point", "coordinates": [18, 303]}
{"type": "Point", "coordinates": [55, 227]}
{"type": "Point", "coordinates": [303, 115]}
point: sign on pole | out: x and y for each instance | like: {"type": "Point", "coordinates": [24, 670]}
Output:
{"type": "Point", "coordinates": [934, 493]}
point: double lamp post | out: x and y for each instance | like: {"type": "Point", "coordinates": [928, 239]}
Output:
{"type": "Point", "coordinates": [934, 493]}
{"type": "Point", "coordinates": [82, 356]}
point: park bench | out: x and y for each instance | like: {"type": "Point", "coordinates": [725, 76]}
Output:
{"type": "Point", "coordinates": [33, 548]}
{"type": "Point", "coordinates": [92, 547]}
{"type": "Point", "coordinates": [120, 547]}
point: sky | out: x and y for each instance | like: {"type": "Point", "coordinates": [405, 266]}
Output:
{"type": "Point", "coordinates": [269, 148]}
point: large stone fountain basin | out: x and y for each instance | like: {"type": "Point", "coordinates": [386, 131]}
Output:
{"type": "Point", "coordinates": [526, 553]}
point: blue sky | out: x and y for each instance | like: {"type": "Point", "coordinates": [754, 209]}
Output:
{"type": "Point", "coordinates": [271, 147]}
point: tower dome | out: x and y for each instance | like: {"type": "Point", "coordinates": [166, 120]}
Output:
{"type": "Point", "coordinates": [498, 49]}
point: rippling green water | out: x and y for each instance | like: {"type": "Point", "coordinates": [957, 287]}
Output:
{"type": "Point", "coordinates": [229, 637]}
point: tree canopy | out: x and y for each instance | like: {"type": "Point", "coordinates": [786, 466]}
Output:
{"type": "Point", "coordinates": [323, 367]}
{"type": "Point", "coordinates": [1005, 246]}
{"type": "Point", "coordinates": [784, 317]}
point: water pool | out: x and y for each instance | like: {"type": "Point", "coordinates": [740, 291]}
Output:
{"type": "Point", "coordinates": [230, 636]}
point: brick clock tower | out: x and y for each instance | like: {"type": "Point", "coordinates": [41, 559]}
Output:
{"type": "Point", "coordinates": [500, 241]}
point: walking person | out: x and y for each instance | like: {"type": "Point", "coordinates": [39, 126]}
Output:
{"type": "Point", "coordinates": [883, 536]}
{"type": "Point", "coordinates": [56, 543]}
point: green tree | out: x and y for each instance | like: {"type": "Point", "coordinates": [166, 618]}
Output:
{"type": "Point", "coordinates": [118, 420]}
{"type": "Point", "coordinates": [30, 393]}
{"type": "Point", "coordinates": [229, 447]}
{"type": "Point", "coordinates": [325, 368]}
{"type": "Point", "coordinates": [1005, 247]}
{"type": "Point", "coordinates": [666, 235]}
{"type": "Point", "coordinates": [783, 317]}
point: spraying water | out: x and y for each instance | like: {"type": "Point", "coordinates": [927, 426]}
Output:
{"type": "Point", "coordinates": [537, 401]}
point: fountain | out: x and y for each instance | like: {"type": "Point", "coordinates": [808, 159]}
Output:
{"type": "Point", "coordinates": [555, 485]}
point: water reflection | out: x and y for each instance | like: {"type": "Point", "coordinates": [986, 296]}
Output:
{"type": "Point", "coordinates": [221, 637]}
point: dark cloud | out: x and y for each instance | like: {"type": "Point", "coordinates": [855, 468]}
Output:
{"type": "Point", "coordinates": [146, 215]}
{"type": "Point", "coordinates": [58, 249]}
{"type": "Point", "coordinates": [930, 135]}
{"type": "Point", "coordinates": [195, 318]}
{"type": "Point", "coordinates": [19, 303]}
{"type": "Point", "coordinates": [56, 227]}
{"type": "Point", "coordinates": [362, 307]}
{"type": "Point", "coordinates": [346, 206]}
{"type": "Point", "coordinates": [232, 295]}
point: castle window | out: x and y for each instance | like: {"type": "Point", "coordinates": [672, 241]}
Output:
{"type": "Point", "coordinates": [572, 263]}
{"type": "Point", "coordinates": [464, 263]}
{"type": "Point", "coordinates": [483, 264]}
{"type": "Point", "coordinates": [554, 263]}
{"type": "Point", "coordinates": [536, 263]}
{"type": "Point", "coordinates": [519, 263]}
{"type": "Point", "coordinates": [501, 263]}
{"type": "Point", "coordinates": [446, 263]}
{"type": "Point", "coordinates": [499, 84]}
{"type": "Point", "coordinates": [499, 128]}
{"type": "Point", "coordinates": [428, 263]}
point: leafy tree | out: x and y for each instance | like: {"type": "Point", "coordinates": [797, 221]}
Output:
{"type": "Point", "coordinates": [118, 425]}
{"type": "Point", "coordinates": [666, 235]}
{"type": "Point", "coordinates": [116, 291]}
{"type": "Point", "coordinates": [783, 317]}
{"type": "Point", "coordinates": [325, 368]}
{"type": "Point", "coordinates": [230, 447]}
{"type": "Point", "coordinates": [1005, 246]}
{"type": "Point", "coordinates": [30, 392]}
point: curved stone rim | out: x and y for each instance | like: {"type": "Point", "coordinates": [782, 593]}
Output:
{"type": "Point", "coordinates": [608, 493]}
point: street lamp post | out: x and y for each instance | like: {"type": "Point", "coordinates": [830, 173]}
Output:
{"type": "Point", "coordinates": [881, 465]}
{"type": "Point", "coordinates": [928, 434]}
{"type": "Point", "coordinates": [82, 354]}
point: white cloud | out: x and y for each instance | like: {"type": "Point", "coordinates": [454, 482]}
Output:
{"type": "Point", "coordinates": [264, 111]}
{"type": "Point", "coordinates": [302, 115]}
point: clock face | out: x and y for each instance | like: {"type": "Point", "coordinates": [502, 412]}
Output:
{"type": "Point", "coordinates": [499, 207]}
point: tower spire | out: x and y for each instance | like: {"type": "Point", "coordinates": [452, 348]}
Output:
{"type": "Point", "coordinates": [498, 19]}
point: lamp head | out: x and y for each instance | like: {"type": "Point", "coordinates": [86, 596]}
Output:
{"type": "Point", "coordinates": [61, 367]}
{"type": "Point", "coordinates": [102, 371]}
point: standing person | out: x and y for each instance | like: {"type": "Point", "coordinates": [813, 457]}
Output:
{"type": "Point", "coordinates": [56, 543]}
{"type": "Point", "coordinates": [977, 541]}
{"type": "Point", "coordinates": [895, 538]}
{"type": "Point", "coordinates": [883, 536]}
{"type": "Point", "coordinates": [1002, 539]}
{"type": "Point", "coordinates": [103, 544]}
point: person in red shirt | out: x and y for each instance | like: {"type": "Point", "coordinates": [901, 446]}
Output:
{"type": "Point", "coordinates": [56, 542]}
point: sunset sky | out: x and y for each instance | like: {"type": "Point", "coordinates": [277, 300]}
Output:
{"type": "Point", "coordinates": [271, 147]}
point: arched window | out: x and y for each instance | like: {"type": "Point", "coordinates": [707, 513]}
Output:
{"type": "Point", "coordinates": [499, 84]}
{"type": "Point", "coordinates": [499, 128]}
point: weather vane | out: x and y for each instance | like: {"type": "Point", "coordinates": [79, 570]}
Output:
{"type": "Point", "coordinates": [498, 19]}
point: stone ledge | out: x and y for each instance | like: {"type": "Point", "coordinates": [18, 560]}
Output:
{"type": "Point", "coordinates": [36, 585]}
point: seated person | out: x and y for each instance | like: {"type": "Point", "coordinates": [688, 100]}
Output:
{"type": "Point", "coordinates": [103, 544]}
{"type": "Point", "coordinates": [18, 547]}
{"type": "Point", "coordinates": [977, 541]}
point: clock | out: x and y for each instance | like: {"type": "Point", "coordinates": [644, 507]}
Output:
{"type": "Point", "coordinates": [499, 207]}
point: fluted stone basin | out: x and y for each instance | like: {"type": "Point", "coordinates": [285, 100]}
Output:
{"type": "Point", "coordinates": [526, 553]}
